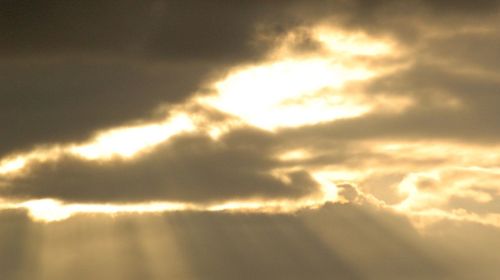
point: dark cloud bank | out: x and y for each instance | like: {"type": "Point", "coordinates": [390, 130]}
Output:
{"type": "Point", "coordinates": [70, 68]}
{"type": "Point", "coordinates": [191, 168]}
{"type": "Point", "coordinates": [335, 242]}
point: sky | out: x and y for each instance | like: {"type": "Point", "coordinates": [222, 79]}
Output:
{"type": "Point", "coordinates": [319, 139]}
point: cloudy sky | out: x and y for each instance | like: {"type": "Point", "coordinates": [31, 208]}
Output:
{"type": "Point", "coordinates": [335, 139]}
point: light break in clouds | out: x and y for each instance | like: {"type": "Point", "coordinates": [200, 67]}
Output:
{"type": "Point", "coordinates": [288, 139]}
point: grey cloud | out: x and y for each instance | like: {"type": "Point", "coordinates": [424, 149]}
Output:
{"type": "Point", "coordinates": [71, 68]}
{"type": "Point", "coordinates": [175, 29]}
{"type": "Point", "coordinates": [15, 245]}
{"type": "Point", "coordinates": [348, 192]}
{"type": "Point", "coordinates": [475, 49]}
{"type": "Point", "coordinates": [189, 168]}
{"type": "Point", "coordinates": [336, 241]}
{"type": "Point", "coordinates": [472, 248]}
{"type": "Point", "coordinates": [56, 100]}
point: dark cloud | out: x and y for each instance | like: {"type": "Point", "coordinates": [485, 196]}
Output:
{"type": "Point", "coordinates": [472, 248]}
{"type": "Point", "coordinates": [190, 168]}
{"type": "Point", "coordinates": [348, 192]}
{"type": "Point", "coordinates": [62, 100]}
{"type": "Point", "coordinates": [16, 253]}
{"type": "Point", "coordinates": [336, 241]}
{"type": "Point", "coordinates": [71, 68]}
{"type": "Point", "coordinates": [476, 49]}
{"type": "Point", "coordinates": [183, 30]}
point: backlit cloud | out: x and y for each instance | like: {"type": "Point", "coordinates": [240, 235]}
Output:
{"type": "Point", "coordinates": [253, 139]}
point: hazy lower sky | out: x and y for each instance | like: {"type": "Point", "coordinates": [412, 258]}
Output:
{"type": "Point", "coordinates": [258, 139]}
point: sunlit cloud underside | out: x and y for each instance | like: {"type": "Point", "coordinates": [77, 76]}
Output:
{"type": "Point", "coordinates": [290, 89]}
{"type": "Point", "coordinates": [51, 210]}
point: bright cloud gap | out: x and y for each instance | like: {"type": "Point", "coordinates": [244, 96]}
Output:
{"type": "Point", "coordinates": [287, 90]}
